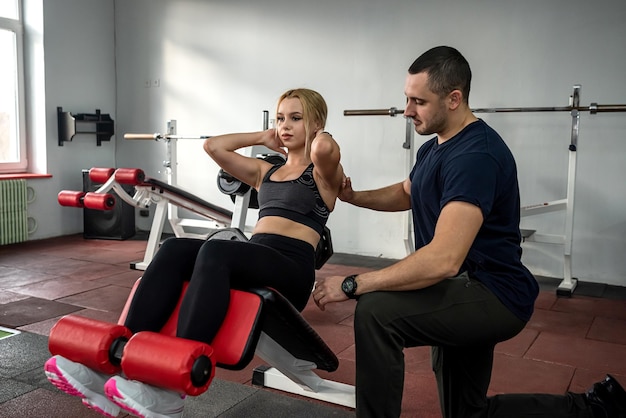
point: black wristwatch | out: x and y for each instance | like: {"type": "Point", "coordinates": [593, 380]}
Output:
{"type": "Point", "coordinates": [349, 286]}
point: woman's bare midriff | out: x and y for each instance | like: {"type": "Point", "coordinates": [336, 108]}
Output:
{"type": "Point", "coordinates": [286, 227]}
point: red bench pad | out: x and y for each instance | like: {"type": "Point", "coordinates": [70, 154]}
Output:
{"type": "Point", "coordinates": [235, 342]}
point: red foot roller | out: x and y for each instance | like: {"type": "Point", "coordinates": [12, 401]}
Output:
{"type": "Point", "coordinates": [100, 175]}
{"type": "Point", "coordinates": [99, 201]}
{"type": "Point", "coordinates": [87, 341]}
{"type": "Point", "coordinates": [131, 176]}
{"type": "Point", "coordinates": [178, 364]}
{"type": "Point", "coordinates": [71, 198]}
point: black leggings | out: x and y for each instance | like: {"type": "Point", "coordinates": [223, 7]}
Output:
{"type": "Point", "coordinates": [212, 268]}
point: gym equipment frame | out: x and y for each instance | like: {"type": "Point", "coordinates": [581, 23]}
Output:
{"type": "Point", "coordinates": [568, 284]}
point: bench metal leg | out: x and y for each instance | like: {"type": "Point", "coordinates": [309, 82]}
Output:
{"type": "Point", "coordinates": [296, 376]}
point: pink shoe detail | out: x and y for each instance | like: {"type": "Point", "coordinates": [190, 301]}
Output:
{"type": "Point", "coordinates": [110, 389]}
{"type": "Point", "coordinates": [78, 380]}
{"type": "Point", "coordinates": [55, 376]}
{"type": "Point", "coordinates": [144, 400]}
{"type": "Point", "coordinates": [96, 408]}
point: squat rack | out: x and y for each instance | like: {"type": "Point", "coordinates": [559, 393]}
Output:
{"type": "Point", "coordinates": [568, 284]}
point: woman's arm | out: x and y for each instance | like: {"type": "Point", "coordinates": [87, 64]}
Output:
{"type": "Point", "coordinates": [250, 170]}
{"type": "Point", "coordinates": [326, 156]}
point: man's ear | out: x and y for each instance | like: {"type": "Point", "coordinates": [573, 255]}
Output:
{"type": "Point", "coordinates": [455, 98]}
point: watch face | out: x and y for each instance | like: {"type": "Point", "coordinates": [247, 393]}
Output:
{"type": "Point", "coordinates": [348, 286]}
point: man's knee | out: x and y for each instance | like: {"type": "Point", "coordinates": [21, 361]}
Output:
{"type": "Point", "coordinates": [368, 312]}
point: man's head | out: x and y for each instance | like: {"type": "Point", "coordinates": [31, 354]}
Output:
{"type": "Point", "coordinates": [447, 70]}
{"type": "Point", "coordinates": [436, 89]}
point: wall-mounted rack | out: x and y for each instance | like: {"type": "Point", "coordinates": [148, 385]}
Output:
{"type": "Point", "coordinates": [67, 121]}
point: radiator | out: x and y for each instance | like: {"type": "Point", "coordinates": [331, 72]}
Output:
{"type": "Point", "coordinates": [13, 211]}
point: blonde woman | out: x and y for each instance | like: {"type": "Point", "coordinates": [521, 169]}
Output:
{"type": "Point", "coordinates": [295, 200]}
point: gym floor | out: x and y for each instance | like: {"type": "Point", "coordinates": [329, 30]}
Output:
{"type": "Point", "coordinates": [568, 344]}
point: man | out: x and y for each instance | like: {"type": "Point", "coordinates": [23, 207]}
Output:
{"type": "Point", "coordinates": [465, 288]}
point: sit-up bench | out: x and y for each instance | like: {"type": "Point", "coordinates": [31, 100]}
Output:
{"type": "Point", "coordinates": [259, 321]}
{"type": "Point", "coordinates": [164, 194]}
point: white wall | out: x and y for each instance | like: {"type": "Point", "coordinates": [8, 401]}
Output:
{"type": "Point", "coordinates": [221, 63]}
{"type": "Point", "coordinates": [70, 62]}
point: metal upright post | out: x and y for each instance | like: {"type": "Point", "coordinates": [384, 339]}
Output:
{"type": "Point", "coordinates": [409, 145]}
{"type": "Point", "coordinates": [171, 158]}
{"type": "Point", "coordinates": [567, 286]}
{"type": "Point", "coordinates": [240, 210]}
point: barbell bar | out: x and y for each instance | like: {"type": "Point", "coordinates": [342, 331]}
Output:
{"type": "Point", "coordinates": [593, 108]}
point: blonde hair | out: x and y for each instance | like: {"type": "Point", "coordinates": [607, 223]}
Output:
{"type": "Point", "coordinates": [314, 110]}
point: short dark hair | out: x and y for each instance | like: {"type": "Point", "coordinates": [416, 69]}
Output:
{"type": "Point", "coordinates": [447, 70]}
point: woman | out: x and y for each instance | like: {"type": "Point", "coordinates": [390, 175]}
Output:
{"type": "Point", "coordinates": [295, 200]}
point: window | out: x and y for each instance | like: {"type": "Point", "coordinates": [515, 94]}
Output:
{"type": "Point", "coordinates": [12, 125]}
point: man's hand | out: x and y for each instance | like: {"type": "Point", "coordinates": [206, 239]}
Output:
{"type": "Point", "coordinates": [328, 290]}
{"type": "Point", "coordinates": [346, 194]}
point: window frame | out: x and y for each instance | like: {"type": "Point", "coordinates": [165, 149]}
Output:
{"type": "Point", "coordinates": [17, 27]}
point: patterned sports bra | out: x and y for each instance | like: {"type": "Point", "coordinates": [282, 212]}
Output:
{"type": "Point", "coordinates": [298, 200]}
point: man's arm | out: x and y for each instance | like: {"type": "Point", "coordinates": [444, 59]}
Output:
{"type": "Point", "coordinates": [394, 198]}
{"type": "Point", "coordinates": [440, 259]}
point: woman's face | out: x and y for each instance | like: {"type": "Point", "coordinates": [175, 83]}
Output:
{"type": "Point", "coordinates": [290, 123]}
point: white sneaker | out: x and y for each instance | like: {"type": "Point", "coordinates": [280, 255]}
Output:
{"type": "Point", "coordinates": [78, 380]}
{"type": "Point", "coordinates": [144, 400]}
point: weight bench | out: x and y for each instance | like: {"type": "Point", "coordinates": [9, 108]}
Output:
{"type": "Point", "coordinates": [259, 321]}
{"type": "Point", "coordinates": [149, 191]}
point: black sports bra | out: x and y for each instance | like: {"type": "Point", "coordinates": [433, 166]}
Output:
{"type": "Point", "coordinates": [298, 200]}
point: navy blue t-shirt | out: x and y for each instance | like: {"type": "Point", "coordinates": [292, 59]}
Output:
{"type": "Point", "coordinates": [477, 167]}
